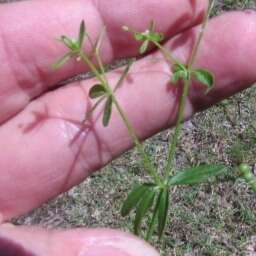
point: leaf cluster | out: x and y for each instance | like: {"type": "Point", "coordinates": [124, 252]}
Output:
{"type": "Point", "coordinates": [147, 37]}
{"type": "Point", "coordinates": [74, 46]}
{"type": "Point", "coordinates": [147, 196]}
{"type": "Point", "coordinates": [182, 72]}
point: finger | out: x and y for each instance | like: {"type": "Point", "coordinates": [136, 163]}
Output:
{"type": "Point", "coordinates": [28, 46]}
{"type": "Point", "coordinates": [53, 151]}
{"type": "Point", "coordinates": [24, 241]}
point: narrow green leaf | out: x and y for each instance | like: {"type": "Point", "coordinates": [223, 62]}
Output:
{"type": "Point", "coordinates": [178, 75]}
{"type": "Point", "coordinates": [152, 26]}
{"type": "Point", "coordinates": [139, 36]}
{"type": "Point", "coordinates": [205, 77]}
{"type": "Point", "coordinates": [107, 111]}
{"type": "Point", "coordinates": [100, 40]}
{"type": "Point", "coordinates": [62, 61]}
{"type": "Point", "coordinates": [124, 74]}
{"type": "Point", "coordinates": [142, 208]}
{"type": "Point", "coordinates": [94, 107]}
{"type": "Point", "coordinates": [156, 37]}
{"type": "Point", "coordinates": [153, 218]}
{"type": "Point", "coordinates": [179, 67]}
{"type": "Point", "coordinates": [70, 43]}
{"type": "Point", "coordinates": [163, 211]}
{"type": "Point", "coordinates": [196, 175]}
{"type": "Point", "coordinates": [97, 91]}
{"type": "Point", "coordinates": [81, 34]}
{"type": "Point", "coordinates": [133, 199]}
{"type": "Point", "coordinates": [144, 47]}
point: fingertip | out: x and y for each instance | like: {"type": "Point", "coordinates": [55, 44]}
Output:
{"type": "Point", "coordinates": [98, 242]}
{"type": "Point", "coordinates": [82, 242]}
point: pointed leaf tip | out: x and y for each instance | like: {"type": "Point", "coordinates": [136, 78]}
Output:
{"type": "Point", "coordinates": [81, 34]}
{"type": "Point", "coordinates": [107, 111]}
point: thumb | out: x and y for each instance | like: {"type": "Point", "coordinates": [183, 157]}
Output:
{"type": "Point", "coordinates": [34, 241]}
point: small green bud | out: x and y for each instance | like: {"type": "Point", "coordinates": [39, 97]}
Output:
{"type": "Point", "coordinates": [245, 169]}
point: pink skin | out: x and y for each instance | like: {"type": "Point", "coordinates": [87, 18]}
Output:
{"type": "Point", "coordinates": [82, 242]}
{"type": "Point", "coordinates": [28, 45]}
{"type": "Point", "coordinates": [51, 149]}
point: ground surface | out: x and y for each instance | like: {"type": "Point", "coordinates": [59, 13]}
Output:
{"type": "Point", "coordinates": [206, 220]}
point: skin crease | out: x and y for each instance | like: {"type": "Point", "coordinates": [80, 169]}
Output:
{"type": "Point", "coordinates": [56, 116]}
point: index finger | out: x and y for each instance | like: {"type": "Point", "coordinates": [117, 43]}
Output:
{"type": "Point", "coordinates": [28, 30]}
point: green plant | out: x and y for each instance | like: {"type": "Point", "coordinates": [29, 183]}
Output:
{"type": "Point", "coordinates": [247, 175]}
{"type": "Point", "coordinates": [155, 195]}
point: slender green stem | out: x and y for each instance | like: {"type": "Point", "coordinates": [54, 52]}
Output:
{"type": "Point", "coordinates": [167, 54]}
{"type": "Point", "coordinates": [200, 37]}
{"type": "Point", "coordinates": [146, 160]}
{"type": "Point", "coordinates": [178, 128]}
{"type": "Point", "coordinates": [97, 53]}
{"type": "Point", "coordinates": [187, 83]}
{"type": "Point", "coordinates": [101, 66]}
{"type": "Point", "coordinates": [89, 63]}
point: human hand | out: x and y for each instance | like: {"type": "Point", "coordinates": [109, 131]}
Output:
{"type": "Point", "coordinates": [47, 149]}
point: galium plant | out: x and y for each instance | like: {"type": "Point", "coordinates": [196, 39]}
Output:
{"type": "Point", "coordinates": [153, 198]}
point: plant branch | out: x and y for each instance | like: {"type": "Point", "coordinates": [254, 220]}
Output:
{"type": "Point", "coordinates": [178, 128]}
{"type": "Point", "coordinates": [185, 92]}
{"type": "Point", "coordinates": [167, 54]}
{"type": "Point", "coordinates": [200, 37]}
{"type": "Point", "coordinates": [146, 160]}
